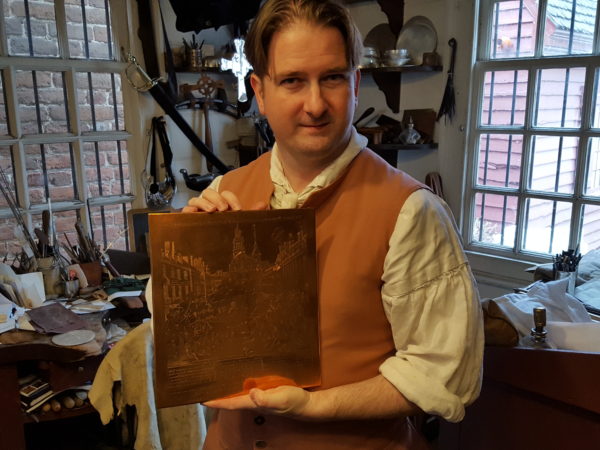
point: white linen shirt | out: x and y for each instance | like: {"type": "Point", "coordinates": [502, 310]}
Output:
{"type": "Point", "coordinates": [429, 295]}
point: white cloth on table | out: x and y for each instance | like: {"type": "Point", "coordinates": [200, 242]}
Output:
{"type": "Point", "coordinates": [560, 307]}
{"type": "Point", "coordinates": [130, 361]}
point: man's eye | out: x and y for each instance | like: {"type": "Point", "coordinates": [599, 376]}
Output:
{"type": "Point", "coordinates": [289, 81]}
{"type": "Point", "coordinates": [335, 78]}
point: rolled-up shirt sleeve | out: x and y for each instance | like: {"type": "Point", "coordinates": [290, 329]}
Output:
{"type": "Point", "coordinates": [431, 301]}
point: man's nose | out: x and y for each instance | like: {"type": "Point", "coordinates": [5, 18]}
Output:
{"type": "Point", "coordinates": [315, 103]}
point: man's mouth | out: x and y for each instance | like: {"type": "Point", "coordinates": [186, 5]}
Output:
{"type": "Point", "coordinates": [315, 125]}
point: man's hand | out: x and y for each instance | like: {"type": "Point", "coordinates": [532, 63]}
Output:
{"type": "Point", "coordinates": [290, 401]}
{"type": "Point", "coordinates": [211, 201]}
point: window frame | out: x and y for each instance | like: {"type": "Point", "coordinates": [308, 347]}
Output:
{"type": "Point", "coordinates": [122, 40]}
{"type": "Point", "coordinates": [490, 259]}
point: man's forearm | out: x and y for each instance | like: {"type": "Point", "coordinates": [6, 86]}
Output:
{"type": "Point", "coordinates": [375, 398]}
{"type": "Point", "coordinates": [370, 399]}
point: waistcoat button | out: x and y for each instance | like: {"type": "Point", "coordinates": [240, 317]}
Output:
{"type": "Point", "coordinates": [259, 420]}
{"type": "Point", "coordinates": [260, 444]}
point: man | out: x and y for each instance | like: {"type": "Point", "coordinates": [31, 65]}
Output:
{"type": "Point", "coordinates": [400, 321]}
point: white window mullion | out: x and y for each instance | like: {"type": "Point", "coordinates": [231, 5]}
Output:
{"type": "Point", "coordinates": [55, 64]}
{"type": "Point", "coordinates": [3, 46]}
{"type": "Point", "coordinates": [61, 28]}
{"type": "Point", "coordinates": [10, 95]}
{"type": "Point", "coordinates": [540, 29]}
{"type": "Point", "coordinates": [72, 109]}
{"type": "Point", "coordinates": [120, 19]}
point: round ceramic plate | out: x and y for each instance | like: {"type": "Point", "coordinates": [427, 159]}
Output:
{"type": "Point", "coordinates": [418, 36]}
{"type": "Point", "coordinates": [380, 37]}
{"type": "Point", "coordinates": [75, 337]}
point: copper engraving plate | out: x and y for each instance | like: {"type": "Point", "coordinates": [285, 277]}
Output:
{"type": "Point", "coordinates": [234, 300]}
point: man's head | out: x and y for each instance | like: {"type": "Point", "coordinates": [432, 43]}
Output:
{"type": "Point", "coordinates": [275, 15]}
{"type": "Point", "coordinates": [304, 53]}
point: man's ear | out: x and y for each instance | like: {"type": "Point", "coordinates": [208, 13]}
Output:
{"type": "Point", "coordinates": [257, 86]}
{"type": "Point", "coordinates": [356, 82]}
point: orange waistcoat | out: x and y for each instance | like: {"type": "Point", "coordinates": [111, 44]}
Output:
{"type": "Point", "coordinates": [355, 217]}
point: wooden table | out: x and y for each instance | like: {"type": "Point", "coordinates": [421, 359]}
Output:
{"type": "Point", "coordinates": [532, 399]}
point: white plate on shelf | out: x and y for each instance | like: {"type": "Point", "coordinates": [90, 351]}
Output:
{"type": "Point", "coordinates": [418, 36]}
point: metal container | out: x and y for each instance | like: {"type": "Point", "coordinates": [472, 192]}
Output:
{"type": "Point", "coordinates": [194, 60]}
{"type": "Point", "coordinates": [396, 57]}
{"type": "Point", "coordinates": [370, 58]}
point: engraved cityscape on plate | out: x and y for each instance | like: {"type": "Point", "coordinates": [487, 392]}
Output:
{"type": "Point", "coordinates": [234, 299]}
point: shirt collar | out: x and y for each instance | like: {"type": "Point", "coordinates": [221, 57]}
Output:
{"type": "Point", "coordinates": [283, 194]}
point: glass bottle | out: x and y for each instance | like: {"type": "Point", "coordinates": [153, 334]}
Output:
{"type": "Point", "coordinates": [409, 135]}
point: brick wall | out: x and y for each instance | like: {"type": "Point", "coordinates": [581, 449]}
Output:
{"type": "Point", "coordinates": [42, 109]}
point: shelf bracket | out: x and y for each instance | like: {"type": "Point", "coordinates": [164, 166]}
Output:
{"type": "Point", "coordinates": [389, 83]}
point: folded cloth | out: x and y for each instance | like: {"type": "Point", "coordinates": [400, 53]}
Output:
{"type": "Point", "coordinates": [581, 337]}
{"type": "Point", "coordinates": [560, 307]}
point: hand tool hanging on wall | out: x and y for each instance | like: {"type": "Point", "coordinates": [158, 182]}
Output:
{"type": "Point", "coordinates": [448, 106]}
{"type": "Point", "coordinates": [165, 94]}
{"type": "Point", "coordinates": [159, 194]}
{"type": "Point", "coordinates": [207, 87]}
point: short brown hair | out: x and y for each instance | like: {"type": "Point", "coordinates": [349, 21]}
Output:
{"type": "Point", "coordinates": [275, 14]}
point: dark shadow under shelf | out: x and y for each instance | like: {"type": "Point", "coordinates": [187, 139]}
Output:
{"type": "Point", "coordinates": [389, 152]}
{"type": "Point", "coordinates": [389, 79]}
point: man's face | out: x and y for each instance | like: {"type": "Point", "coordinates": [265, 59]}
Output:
{"type": "Point", "coordinates": [309, 93]}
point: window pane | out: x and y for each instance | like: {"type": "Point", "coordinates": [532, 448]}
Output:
{"type": "Point", "coordinates": [3, 112]}
{"type": "Point", "coordinates": [88, 29]}
{"type": "Point", "coordinates": [513, 33]}
{"type": "Point", "coordinates": [100, 101]}
{"type": "Point", "coordinates": [569, 27]}
{"type": "Point", "coordinates": [109, 226]}
{"type": "Point", "coordinates": [547, 226]}
{"type": "Point", "coordinates": [590, 233]}
{"type": "Point", "coordinates": [495, 219]}
{"type": "Point", "coordinates": [554, 164]}
{"type": "Point", "coordinates": [9, 245]}
{"type": "Point", "coordinates": [500, 160]}
{"type": "Point", "coordinates": [504, 98]}
{"type": "Point", "coordinates": [50, 172]}
{"type": "Point", "coordinates": [592, 186]}
{"type": "Point", "coordinates": [31, 28]}
{"type": "Point", "coordinates": [6, 164]}
{"type": "Point", "coordinates": [106, 168]}
{"type": "Point", "coordinates": [42, 102]}
{"type": "Point", "coordinates": [560, 97]}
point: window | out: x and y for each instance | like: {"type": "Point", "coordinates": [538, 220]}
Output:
{"type": "Point", "coordinates": [534, 184]}
{"type": "Point", "coordinates": [63, 144]}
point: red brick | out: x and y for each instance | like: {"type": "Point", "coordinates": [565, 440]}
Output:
{"type": "Point", "coordinates": [63, 178]}
{"type": "Point", "coordinates": [61, 193]}
{"type": "Point", "coordinates": [41, 10]}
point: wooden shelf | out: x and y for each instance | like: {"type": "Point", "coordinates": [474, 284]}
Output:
{"type": "Point", "coordinates": [62, 414]}
{"type": "Point", "coordinates": [389, 79]}
{"type": "Point", "coordinates": [400, 69]}
{"type": "Point", "coordinates": [397, 147]}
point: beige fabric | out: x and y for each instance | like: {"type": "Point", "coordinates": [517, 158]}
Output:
{"type": "Point", "coordinates": [130, 361]}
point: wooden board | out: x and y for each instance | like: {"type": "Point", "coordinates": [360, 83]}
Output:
{"type": "Point", "coordinates": [234, 300]}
